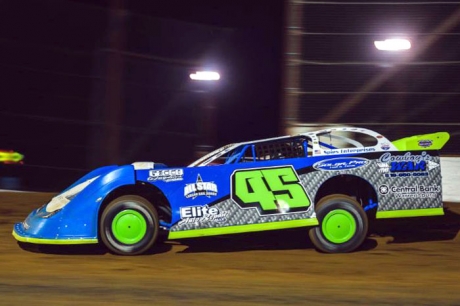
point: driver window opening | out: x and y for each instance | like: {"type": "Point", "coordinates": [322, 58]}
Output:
{"type": "Point", "coordinates": [272, 150]}
{"type": "Point", "coordinates": [290, 148]}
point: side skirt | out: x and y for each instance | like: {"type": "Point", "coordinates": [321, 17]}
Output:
{"type": "Point", "coordinates": [243, 228]}
{"type": "Point", "coordinates": [410, 213]}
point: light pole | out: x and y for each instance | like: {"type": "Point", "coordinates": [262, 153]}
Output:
{"type": "Point", "coordinates": [207, 127]}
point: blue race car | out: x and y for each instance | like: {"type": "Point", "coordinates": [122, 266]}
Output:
{"type": "Point", "coordinates": [334, 181]}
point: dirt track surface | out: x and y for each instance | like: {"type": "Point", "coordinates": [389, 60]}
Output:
{"type": "Point", "coordinates": [404, 262]}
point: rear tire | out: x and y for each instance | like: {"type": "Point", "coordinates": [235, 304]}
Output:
{"type": "Point", "coordinates": [129, 225]}
{"type": "Point", "coordinates": [342, 226]}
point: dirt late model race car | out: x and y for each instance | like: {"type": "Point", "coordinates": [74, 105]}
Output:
{"type": "Point", "coordinates": [334, 181]}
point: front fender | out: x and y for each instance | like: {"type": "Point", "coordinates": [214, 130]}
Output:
{"type": "Point", "coordinates": [76, 222]}
{"type": "Point", "coordinates": [96, 172]}
{"type": "Point", "coordinates": [82, 212]}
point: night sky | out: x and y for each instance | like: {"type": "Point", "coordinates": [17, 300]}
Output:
{"type": "Point", "coordinates": [59, 79]}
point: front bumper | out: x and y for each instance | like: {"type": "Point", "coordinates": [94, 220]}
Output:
{"type": "Point", "coordinates": [52, 230]}
{"type": "Point", "coordinates": [21, 235]}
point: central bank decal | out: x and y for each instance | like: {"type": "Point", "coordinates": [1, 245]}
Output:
{"type": "Point", "coordinates": [270, 190]}
{"type": "Point", "coordinates": [412, 191]}
{"type": "Point", "coordinates": [406, 165]}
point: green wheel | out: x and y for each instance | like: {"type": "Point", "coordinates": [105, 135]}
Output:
{"type": "Point", "coordinates": [343, 224]}
{"type": "Point", "coordinates": [129, 225]}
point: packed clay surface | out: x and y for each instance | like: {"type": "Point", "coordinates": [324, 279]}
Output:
{"type": "Point", "coordinates": [404, 262]}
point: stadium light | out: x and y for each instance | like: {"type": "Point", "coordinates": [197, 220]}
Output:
{"type": "Point", "coordinates": [394, 44]}
{"type": "Point", "coordinates": [205, 76]}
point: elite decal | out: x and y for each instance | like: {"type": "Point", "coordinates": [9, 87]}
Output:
{"type": "Point", "coordinates": [202, 214]}
{"type": "Point", "coordinates": [270, 190]}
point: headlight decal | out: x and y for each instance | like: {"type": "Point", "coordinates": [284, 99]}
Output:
{"type": "Point", "coordinates": [61, 200]}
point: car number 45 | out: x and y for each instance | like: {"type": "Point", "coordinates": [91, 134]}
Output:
{"type": "Point", "coordinates": [270, 190]}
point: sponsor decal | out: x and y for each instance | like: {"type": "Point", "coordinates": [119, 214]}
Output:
{"type": "Point", "coordinates": [349, 151]}
{"type": "Point", "coordinates": [406, 165]}
{"type": "Point", "coordinates": [270, 190]}
{"type": "Point", "coordinates": [200, 188]}
{"type": "Point", "coordinates": [385, 146]}
{"type": "Point", "coordinates": [202, 214]}
{"type": "Point", "coordinates": [167, 175]}
{"type": "Point", "coordinates": [341, 163]}
{"type": "Point", "coordinates": [384, 189]}
{"type": "Point", "coordinates": [415, 191]}
{"type": "Point", "coordinates": [425, 143]}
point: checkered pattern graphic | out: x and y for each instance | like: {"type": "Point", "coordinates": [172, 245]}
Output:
{"type": "Point", "coordinates": [235, 215]}
{"type": "Point", "coordinates": [313, 181]}
{"type": "Point", "coordinates": [239, 216]}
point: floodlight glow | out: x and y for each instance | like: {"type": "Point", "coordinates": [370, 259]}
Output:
{"type": "Point", "coordinates": [395, 44]}
{"type": "Point", "coordinates": [205, 76]}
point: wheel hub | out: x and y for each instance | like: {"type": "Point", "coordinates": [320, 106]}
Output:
{"type": "Point", "coordinates": [339, 226]}
{"type": "Point", "coordinates": [129, 226]}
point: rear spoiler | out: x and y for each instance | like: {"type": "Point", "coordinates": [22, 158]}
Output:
{"type": "Point", "coordinates": [433, 141]}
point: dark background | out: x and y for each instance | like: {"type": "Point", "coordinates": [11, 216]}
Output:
{"type": "Point", "coordinates": [337, 76]}
{"type": "Point", "coordinates": [90, 83]}
{"type": "Point", "coordinates": [75, 73]}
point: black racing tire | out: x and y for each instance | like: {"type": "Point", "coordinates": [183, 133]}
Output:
{"type": "Point", "coordinates": [129, 225]}
{"type": "Point", "coordinates": [343, 224]}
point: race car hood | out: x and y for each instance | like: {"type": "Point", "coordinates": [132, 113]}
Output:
{"type": "Point", "coordinates": [99, 172]}
{"type": "Point", "coordinates": [104, 171]}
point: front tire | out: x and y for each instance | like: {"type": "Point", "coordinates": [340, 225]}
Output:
{"type": "Point", "coordinates": [129, 225]}
{"type": "Point", "coordinates": [342, 226]}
